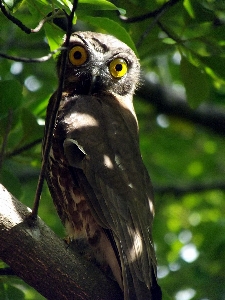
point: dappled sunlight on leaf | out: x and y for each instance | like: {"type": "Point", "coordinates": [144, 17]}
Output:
{"type": "Point", "coordinates": [189, 253]}
{"type": "Point", "coordinates": [185, 294]}
{"type": "Point", "coordinates": [195, 168]}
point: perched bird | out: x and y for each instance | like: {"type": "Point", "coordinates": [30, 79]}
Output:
{"type": "Point", "coordinates": [95, 172]}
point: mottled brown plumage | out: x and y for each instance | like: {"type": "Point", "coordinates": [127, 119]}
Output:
{"type": "Point", "coordinates": [95, 172]}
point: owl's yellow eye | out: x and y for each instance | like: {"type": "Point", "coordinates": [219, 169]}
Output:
{"type": "Point", "coordinates": [118, 67]}
{"type": "Point", "coordinates": [78, 55]}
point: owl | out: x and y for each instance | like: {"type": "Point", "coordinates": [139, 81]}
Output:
{"type": "Point", "coordinates": [95, 172]}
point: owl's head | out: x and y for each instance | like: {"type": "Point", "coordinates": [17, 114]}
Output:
{"type": "Point", "coordinates": [100, 63]}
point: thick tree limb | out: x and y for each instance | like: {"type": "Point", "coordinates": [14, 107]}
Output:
{"type": "Point", "coordinates": [168, 102]}
{"type": "Point", "coordinates": [45, 262]}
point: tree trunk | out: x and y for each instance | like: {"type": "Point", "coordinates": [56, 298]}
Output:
{"type": "Point", "coordinates": [45, 262]}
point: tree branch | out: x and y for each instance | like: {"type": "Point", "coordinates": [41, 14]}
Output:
{"type": "Point", "coordinates": [199, 187]}
{"type": "Point", "coordinates": [151, 14]}
{"type": "Point", "coordinates": [31, 60]}
{"type": "Point", "coordinates": [23, 148]}
{"type": "Point", "coordinates": [49, 17]}
{"type": "Point", "coordinates": [45, 262]}
{"type": "Point", "coordinates": [166, 101]}
{"type": "Point", "coordinates": [14, 20]}
{"type": "Point", "coordinates": [5, 138]}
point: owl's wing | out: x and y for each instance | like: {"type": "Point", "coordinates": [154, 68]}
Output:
{"type": "Point", "coordinates": [102, 142]}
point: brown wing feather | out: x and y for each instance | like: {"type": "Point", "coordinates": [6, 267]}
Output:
{"type": "Point", "coordinates": [66, 186]}
{"type": "Point", "coordinates": [106, 132]}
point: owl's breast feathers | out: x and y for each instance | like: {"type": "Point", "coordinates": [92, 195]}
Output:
{"type": "Point", "coordinates": [98, 182]}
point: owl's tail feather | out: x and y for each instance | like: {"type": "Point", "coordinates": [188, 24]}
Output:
{"type": "Point", "coordinates": [135, 289]}
{"type": "Point", "coordinates": [156, 292]}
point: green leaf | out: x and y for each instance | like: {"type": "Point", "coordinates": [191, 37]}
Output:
{"type": "Point", "coordinates": [54, 36]}
{"type": "Point", "coordinates": [10, 103]}
{"type": "Point", "coordinates": [96, 5]}
{"type": "Point", "coordinates": [15, 293]}
{"type": "Point", "coordinates": [31, 129]}
{"type": "Point", "coordinates": [39, 9]}
{"type": "Point", "coordinates": [16, 5]}
{"type": "Point", "coordinates": [10, 182]}
{"type": "Point", "coordinates": [64, 4]}
{"type": "Point", "coordinates": [10, 96]}
{"type": "Point", "coordinates": [169, 41]}
{"type": "Point", "coordinates": [195, 82]}
{"type": "Point", "coordinates": [188, 5]}
{"type": "Point", "coordinates": [197, 11]}
{"type": "Point", "coordinates": [112, 28]}
{"type": "Point", "coordinates": [10, 3]}
{"type": "Point", "coordinates": [216, 63]}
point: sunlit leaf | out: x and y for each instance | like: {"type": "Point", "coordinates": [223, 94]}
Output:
{"type": "Point", "coordinates": [15, 293]}
{"type": "Point", "coordinates": [64, 3]}
{"type": "Point", "coordinates": [96, 5]}
{"type": "Point", "coordinates": [216, 63]}
{"type": "Point", "coordinates": [54, 36]}
{"type": "Point", "coordinates": [13, 5]}
{"type": "Point", "coordinates": [169, 41]}
{"type": "Point", "coordinates": [198, 11]}
{"type": "Point", "coordinates": [10, 3]}
{"type": "Point", "coordinates": [188, 5]}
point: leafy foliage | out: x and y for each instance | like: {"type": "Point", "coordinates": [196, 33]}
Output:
{"type": "Point", "coordinates": [184, 50]}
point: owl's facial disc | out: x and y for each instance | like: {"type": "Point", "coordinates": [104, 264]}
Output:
{"type": "Point", "coordinates": [99, 63]}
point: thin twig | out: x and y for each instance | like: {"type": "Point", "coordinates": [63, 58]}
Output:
{"type": "Point", "coordinates": [49, 17]}
{"type": "Point", "coordinates": [22, 149]}
{"type": "Point", "coordinates": [53, 116]}
{"type": "Point", "coordinates": [151, 14]}
{"type": "Point", "coordinates": [14, 20]}
{"type": "Point", "coordinates": [5, 137]}
{"type": "Point", "coordinates": [149, 28]}
{"type": "Point", "coordinates": [32, 60]}
{"type": "Point", "coordinates": [157, 15]}
{"type": "Point", "coordinates": [24, 27]}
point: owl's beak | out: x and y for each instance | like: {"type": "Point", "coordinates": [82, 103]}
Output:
{"type": "Point", "coordinates": [96, 82]}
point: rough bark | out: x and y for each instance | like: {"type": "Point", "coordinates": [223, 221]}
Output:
{"type": "Point", "coordinates": [45, 262]}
